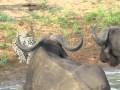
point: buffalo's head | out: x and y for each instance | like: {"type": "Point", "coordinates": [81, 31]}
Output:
{"type": "Point", "coordinates": [53, 44]}
{"type": "Point", "coordinates": [104, 42]}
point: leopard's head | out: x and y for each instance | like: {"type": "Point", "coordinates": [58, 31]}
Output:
{"type": "Point", "coordinates": [24, 29]}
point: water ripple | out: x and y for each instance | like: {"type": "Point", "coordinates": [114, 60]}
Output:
{"type": "Point", "coordinates": [114, 79]}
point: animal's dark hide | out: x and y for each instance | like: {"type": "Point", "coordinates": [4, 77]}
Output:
{"type": "Point", "coordinates": [110, 49]}
{"type": "Point", "coordinates": [114, 38]}
{"type": "Point", "coordinates": [47, 50]}
{"type": "Point", "coordinates": [52, 51]}
{"type": "Point", "coordinates": [50, 68]}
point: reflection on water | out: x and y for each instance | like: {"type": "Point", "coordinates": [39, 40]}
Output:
{"type": "Point", "coordinates": [114, 79]}
{"type": "Point", "coordinates": [112, 75]}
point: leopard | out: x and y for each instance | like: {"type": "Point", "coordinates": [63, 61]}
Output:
{"type": "Point", "coordinates": [26, 37]}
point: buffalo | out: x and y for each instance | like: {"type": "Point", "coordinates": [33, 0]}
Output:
{"type": "Point", "coordinates": [110, 45]}
{"type": "Point", "coordinates": [41, 75]}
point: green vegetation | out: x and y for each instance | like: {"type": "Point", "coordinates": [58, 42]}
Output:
{"type": "Point", "coordinates": [54, 10]}
{"type": "Point", "coordinates": [4, 17]}
{"type": "Point", "coordinates": [98, 1]}
{"type": "Point", "coordinates": [76, 26]}
{"type": "Point", "coordinates": [85, 0]}
{"type": "Point", "coordinates": [42, 1]}
{"type": "Point", "coordinates": [9, 31]}
{"type": "Point", "coordinates": [24, 19]}
{"type": "Point", "coordinates": [65, 22]}
{"type": "Point", "coordinates": [5, 26]}
{"type": "Point", "coordinates": [112, 18]}
{"type": "Point", "coordinates": [103, 18]}
{"type": "Point", "coordinates": [3, 58]}
{"type": "Point", "coordinates": [95, 16]}
{"type": "Point", "coordinates": [44, 19]}
{"type": "Point", "coordinates": [3, 45]}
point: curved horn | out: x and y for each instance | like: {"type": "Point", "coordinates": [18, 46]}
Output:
{"type": "Point", "coordinates": [61, 41]}
{"type": "Point", "coordinates": [100, 41]}
{"type": "Point", "coordinates": [27, 49]}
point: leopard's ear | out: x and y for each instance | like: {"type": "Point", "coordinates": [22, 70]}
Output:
{"type": "Point", "coordinates": [21, 23]}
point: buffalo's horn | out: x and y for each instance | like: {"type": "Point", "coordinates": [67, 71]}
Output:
{"type": "Point", "coordinates": [100, 41]}
{"type": "Point", "coordinates": [62, 42]}
{"type": "Point", "coordinates": [28, 49]}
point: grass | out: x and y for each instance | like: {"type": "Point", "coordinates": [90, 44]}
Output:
{"type": "Point", "coordinates": [42, 1]}
{"type": "Point", "coordinates": [24, 18]}
{"type": "Point", "coordinates": [4, 61]}
{"type": "Point", "coordinates": [9, 31]}
{"type": "Point", "coordinates": [98, 1]}
{"type": "Point", "coordinates": [54, 10]}
{"type": "Point", "coordinates": [3, 58]}
{"type": "Point", "coordinates": [9, 35]}
{"type": "Point", "coordinates": [4, 17]}
{"type": "Point", "coordinates": [3, 45]}
{"type": "Point", "coordinates": [95, 16]}
{"type": "Point", "coordinates": [44, 19]}
{"type": "Point", "coordinates": [64, 22]}
{"type": "Point", "coordinates": [76, 26]}
{"type": "Point", "coordinates": [112, 18]}
{"type": "Point", "coordinates": [8, 28]}
{"type": "Point", "coordinates": [57, 15]}
{"type": "Point", "coordinates": [5, 26]}
{"type": "Point", "coordinates": [103, 18]}
{"type": "Point", "coordinates": [85, 0]}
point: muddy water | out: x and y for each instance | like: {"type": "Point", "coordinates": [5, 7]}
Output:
{"type": "Point", "coordinates": [112, 75]}
{"type": "Point", "coordinates": [12, 85]}
{"type": "Point", "coordinates": [114, 79]}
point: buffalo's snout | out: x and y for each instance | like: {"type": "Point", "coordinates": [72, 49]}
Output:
{"type": "Point", "coordinates": [103, 58]}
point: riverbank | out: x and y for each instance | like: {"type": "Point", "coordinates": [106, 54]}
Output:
{"type": "Point", "coordinates": [65, 17]}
